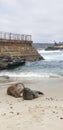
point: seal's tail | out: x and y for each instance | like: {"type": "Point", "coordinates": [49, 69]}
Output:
{"type": "Point", "coordinates": [40, 92]}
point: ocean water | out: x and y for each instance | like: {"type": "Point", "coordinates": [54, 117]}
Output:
{"type": "Point", "coordinates": [52, 66]}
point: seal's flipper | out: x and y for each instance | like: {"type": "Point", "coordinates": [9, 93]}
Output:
{"type": "Point", "coordinates": [40, 92]}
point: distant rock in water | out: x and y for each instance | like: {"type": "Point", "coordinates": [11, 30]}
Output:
{"type": "Point", "coordinates": [55, 47]}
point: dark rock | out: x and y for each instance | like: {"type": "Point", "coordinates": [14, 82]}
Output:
{"type": "Point", "coordinates": [11, 63]}
{"type": "Point", "coordinates": [11, 107]}
{"type": "Point", "coordinates": [55, 47]}
{"type": "Point", "coordinates": [18, 113]}
{"type": "Point", "coordinates": [61, 118]}
{"type": "Point", "coordinates": [51, 48]}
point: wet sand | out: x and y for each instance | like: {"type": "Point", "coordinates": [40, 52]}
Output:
{"type": "Point", "coordinates": [43, 113]}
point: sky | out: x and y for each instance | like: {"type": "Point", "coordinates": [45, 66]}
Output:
{"type": "Point", "coordinates": [43, 19]}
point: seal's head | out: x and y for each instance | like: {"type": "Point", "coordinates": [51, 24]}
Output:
{"type": "Point", "coordinates": [15, 89]}
{"type": "Point", "coordinates": [20, 87]}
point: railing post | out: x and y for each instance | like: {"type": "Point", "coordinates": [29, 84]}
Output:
{"type": "Point", "coordinates": [11, 36]}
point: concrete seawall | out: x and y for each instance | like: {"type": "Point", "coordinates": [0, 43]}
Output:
{"type": "Point", "coordinates": [17, 48]}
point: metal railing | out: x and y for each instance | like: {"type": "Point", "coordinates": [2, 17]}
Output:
{"type": "Point", "coordinates": [12, 36]}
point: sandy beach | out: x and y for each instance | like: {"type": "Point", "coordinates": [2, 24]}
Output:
{"type": "Point", "coordinates": [43, 113]}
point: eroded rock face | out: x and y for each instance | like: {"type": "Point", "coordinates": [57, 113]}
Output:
{"type": "Point", "coordinates": [15, 90]}
{"type": "Point", "coordinates": [29, 94]}
{"type": "Point", "coordinates": [8, 63]}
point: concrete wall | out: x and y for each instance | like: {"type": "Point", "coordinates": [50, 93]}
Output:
{"type": "Point", "coordinates": [21, 49]}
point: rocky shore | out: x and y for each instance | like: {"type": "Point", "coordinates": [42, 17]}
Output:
{"type": "Point", "coordinates": [9, 63]}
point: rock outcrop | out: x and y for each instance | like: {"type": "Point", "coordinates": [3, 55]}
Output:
{"type": "Point", "coordinates": [55, 47]}
{"type": "Point", "coordinates": [8, 63]}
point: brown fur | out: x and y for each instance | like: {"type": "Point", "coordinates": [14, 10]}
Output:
{"type": "Point", "coordinates": [15, 90]}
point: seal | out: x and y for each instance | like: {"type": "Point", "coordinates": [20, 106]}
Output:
{"type": "Point", "coordinates": [29, 94]}
{"type": "Point", "coordinates": [15, 90]}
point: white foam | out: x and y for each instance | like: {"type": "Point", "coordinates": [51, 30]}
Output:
{"type": "Point", "coordinates": [52, 55]}
{"type": "Point", "coordinates": [29, 75]}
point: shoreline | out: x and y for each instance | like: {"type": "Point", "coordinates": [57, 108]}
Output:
{"type": "Point", "coordinates": [45, 112]}
{"type": "Point", "coordinates": [45, 84]}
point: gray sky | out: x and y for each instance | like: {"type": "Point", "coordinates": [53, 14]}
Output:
{"type": "Point", "coordinates": [43, 19]}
